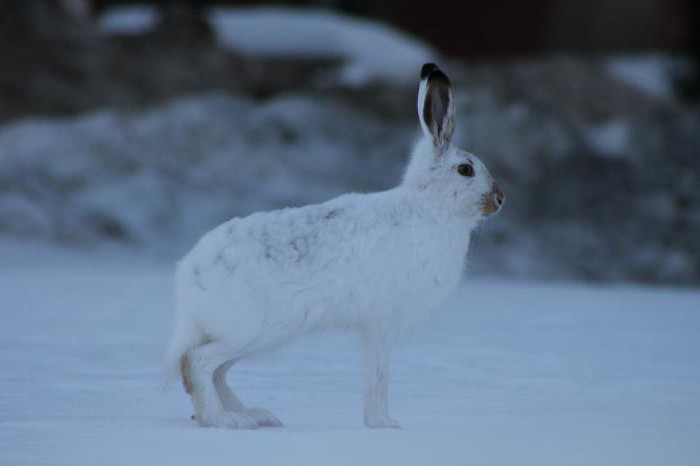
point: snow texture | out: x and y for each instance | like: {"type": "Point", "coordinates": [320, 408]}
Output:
{"type": "Point", "coordinates": [507, 373]}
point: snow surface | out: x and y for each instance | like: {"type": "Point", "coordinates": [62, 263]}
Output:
{"type": "Point", "coordinates": [508, 373]}
{"type": "Point", "coordinates": [370, 50]}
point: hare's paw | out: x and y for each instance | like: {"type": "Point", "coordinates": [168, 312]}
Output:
{"type": "Point", "coordinates": [229, 420]}
{"type": "Point", "coordinates": [381, 422]}
{"type": "Point", "coordinates": [264, 417]}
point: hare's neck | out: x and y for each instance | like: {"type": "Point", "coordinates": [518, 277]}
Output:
{"type": "Point", "coordinates": [442, 252]}
{"type": "Point", "coordinates": [457, 232]}
{"type": "Point", "coordinates": [452, 230]}
{"type": "Point", "coordinates": [431, 206]}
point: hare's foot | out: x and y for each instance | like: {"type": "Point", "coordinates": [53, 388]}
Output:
{"type": "Point", "coordinates": [263, 417]}
{"type": "Point", "coordinates": [230, 401]}
{"type": "Point", "coordinates": [198, 371]}
{"type": "Point", "coordinates": [227, 420]}
{"type": "Point", "coordinates": [381, 421]}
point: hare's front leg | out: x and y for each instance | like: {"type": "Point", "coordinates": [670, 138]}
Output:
{"type": "Point", "coordinates": [377, 356]}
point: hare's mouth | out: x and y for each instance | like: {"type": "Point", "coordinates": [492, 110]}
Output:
{"type": "Point", "coordinates": [492, 201]}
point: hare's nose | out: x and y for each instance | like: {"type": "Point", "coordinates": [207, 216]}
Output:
{"type": "Point", "coordinates": [499, 196]}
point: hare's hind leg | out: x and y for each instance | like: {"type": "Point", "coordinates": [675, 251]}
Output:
{"type": "Point", "coordinates": [198, 368]}
{"type": "Point", "coordinates": [228, 398]}
{"type": "Point", "coordinates": [231, 402]}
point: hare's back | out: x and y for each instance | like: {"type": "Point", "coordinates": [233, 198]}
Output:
{"type": "Point", "coordinates": [284, 246]}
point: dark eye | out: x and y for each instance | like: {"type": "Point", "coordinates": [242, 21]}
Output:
{"type": "Point", "coordinates": [465, 169]}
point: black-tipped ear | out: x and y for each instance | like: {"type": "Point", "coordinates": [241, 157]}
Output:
{"type": "Point", "coordinates": [436, 105]}
{"type": "Point", "coordinates": [427, 69]}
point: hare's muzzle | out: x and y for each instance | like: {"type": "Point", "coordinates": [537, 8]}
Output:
{"type": "Point", "coordinates": [493, 200]}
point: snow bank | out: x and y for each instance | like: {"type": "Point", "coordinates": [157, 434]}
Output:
{"type": "Point", "coordinates": [369, 50]}
{"type": "Point", "coordinates": [161, 177]}
{"type": "Point", "coordinates": [164, 176]}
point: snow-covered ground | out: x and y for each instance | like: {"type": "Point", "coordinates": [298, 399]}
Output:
{"type": "Point", "coordinates": [508, 373]}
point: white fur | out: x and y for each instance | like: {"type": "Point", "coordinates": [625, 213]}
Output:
{"type": "Point", "coordinates": [420, 102]}
{"type": "Point", "coordinates": [379, 263]}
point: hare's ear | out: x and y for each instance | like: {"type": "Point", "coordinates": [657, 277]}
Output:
{"type": "Point", "coordinates": [436, 109]}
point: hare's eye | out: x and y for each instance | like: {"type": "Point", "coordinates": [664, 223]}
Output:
{"type": "Point", "coordinates": [465, 169]}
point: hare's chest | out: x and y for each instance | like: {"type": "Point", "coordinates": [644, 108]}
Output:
{"type": "Point", "coordinates": [414, 289]}
{"type": "Point", "coordinates": [428, 269]}
{"type": "Point", "coordinates": [435, 272]}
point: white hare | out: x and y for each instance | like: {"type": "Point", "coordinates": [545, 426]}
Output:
{"type": "Point", "coordinates": [379, 263]}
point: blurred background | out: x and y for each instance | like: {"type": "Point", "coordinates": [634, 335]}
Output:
{"type": "Point", "coordinates": [146, 124]}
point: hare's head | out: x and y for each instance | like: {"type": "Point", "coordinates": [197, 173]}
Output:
{"type": "Point", "coordinates": [463, 181]}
